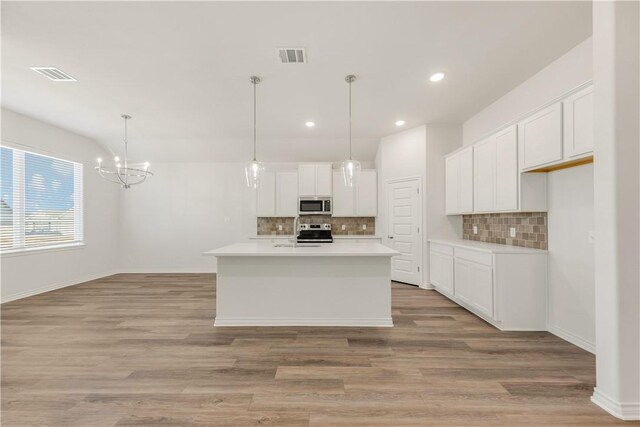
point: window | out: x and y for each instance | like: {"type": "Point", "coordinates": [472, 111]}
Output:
{"type": "Point", "coordinates": [40, 201]}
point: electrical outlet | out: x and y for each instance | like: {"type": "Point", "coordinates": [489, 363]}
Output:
{"type": "Point", "coordinates": [475, 229]}
{"type": "Point", "coordinates": [512, 232]}
{"type": "Point", "coordinates": [364, 226]}
{"type": "Point", "coordinates": [279, 227]}
{"type": "Point", "coordinates": [344, 227]}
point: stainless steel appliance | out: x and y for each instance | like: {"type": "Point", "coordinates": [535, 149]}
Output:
{"type": "Point", "coordinates": [315, 233]}
{"type": "Point", "coordinates": [314, 206]}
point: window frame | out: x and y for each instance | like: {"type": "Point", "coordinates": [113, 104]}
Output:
{"type": "Point", "coordinates": [19, 189]}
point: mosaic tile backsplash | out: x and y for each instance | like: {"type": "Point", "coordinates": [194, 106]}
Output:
{"type": "Point", "coordinates": [268, 226]}
{"type": "Point", "coordinates": [531, 229]}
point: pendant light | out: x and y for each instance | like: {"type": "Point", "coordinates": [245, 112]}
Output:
{"type": "Point", "coordinates": [125, 174]}
{"type": "Point", "coordinates": [254, 170]}
{"type": "Point", "coordinates": [350, 168]}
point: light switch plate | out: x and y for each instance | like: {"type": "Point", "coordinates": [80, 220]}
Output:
{"type": "Point", "coordinates": [475, 229]}
{"type": "Point", "coordinates": [512, 232]}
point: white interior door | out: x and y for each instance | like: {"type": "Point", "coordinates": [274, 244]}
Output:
{"type": "Point", "coordinates": [404, 230]}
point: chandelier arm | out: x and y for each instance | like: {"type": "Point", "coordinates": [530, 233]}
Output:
{"type": "Point", "coordinates": [350, 156]}
{"type": "Point", "coordinates": [108, 175]}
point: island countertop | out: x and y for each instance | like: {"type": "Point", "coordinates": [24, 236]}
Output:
{"type": "Point", "coordinates": [323, 250]}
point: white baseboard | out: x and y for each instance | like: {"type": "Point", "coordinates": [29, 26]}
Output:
{"type": "Point", "coordinates": [573, 339]}
{"type": "Point", "coordinates": [624, 411]}
{"type": "Point", "coordinates": [427, 286]}
{"type": "Point", "coordinates": [165, 270]}
{"type": "Point", "coordinates": [54, 286]}
{"type": "Point", "coordinates": [375, 323]}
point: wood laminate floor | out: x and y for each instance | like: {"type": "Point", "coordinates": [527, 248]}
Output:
{"type": "Point", "coordinates": [133, 350]}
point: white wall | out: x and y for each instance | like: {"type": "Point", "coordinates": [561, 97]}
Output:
{"type": "Point", "coordinates": [571, 272]}
{"type": "Point", "coordinates": [26, 274]}
{"type": "Point", "coordinates": [419, 152]}
{"type": "Point", "coordinates": [182, 211]}
{"type": "Point", "coordinates": [571, 317]}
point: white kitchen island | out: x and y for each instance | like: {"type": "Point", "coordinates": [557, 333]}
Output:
{"type": "Point", "coordinates": [262, 284]}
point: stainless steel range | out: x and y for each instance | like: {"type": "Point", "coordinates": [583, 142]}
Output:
{"type": "Point", "coordinates": [315, 233]}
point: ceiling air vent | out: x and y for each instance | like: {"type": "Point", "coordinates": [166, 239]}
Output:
{"type": "Point", "coordinates": [52, 73]}
{"type": "Point", "coordinates": [292, 55]}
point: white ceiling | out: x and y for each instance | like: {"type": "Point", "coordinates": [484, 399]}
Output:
{"type": "Point", "coordinates": [182, 69]}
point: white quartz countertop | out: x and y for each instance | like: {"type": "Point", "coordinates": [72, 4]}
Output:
{"type": "Point", "coordinates": [486, 247]}
{"type": "Point", "coordinates": [341, 236]}
{"type": "Point", "coordinates": [323, 250]}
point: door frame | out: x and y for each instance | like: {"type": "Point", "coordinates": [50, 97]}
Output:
{"type": "Point", "coordinates": [418, 180]}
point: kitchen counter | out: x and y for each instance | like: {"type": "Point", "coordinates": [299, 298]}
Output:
{"type": "Point", "coordinates": [371, 249]}
{"type": "Point", "coordinates": [335, 237]}
{"type": "Point", "coordinates": [261, 284]}
{"type": "Point", "coordinates": [486, 247]}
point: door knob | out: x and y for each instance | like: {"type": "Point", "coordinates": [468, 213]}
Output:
{"type": "Point", "coordinates": [391, 237]}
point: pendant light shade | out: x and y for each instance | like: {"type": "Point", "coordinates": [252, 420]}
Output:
{"type": "Point", "coordinates": [254, 170]}
{"type": "Point", "coordinates": [350, 168]}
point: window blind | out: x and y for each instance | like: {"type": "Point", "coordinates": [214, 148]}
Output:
{"type": "Point", "coordinates": [40, 201]}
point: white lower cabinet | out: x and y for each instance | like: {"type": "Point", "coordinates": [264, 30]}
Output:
{"type": "Point", "coordinates": [474, 285]}
{"type": "Point", "coordinates": [441, 268]}
{"type": "Point", "coordinates": [506, 286]}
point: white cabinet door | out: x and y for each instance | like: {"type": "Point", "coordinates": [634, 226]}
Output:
{"type": "Point", "coordinates": [452, 172]}
{"type": "Point", "coordinates": [266, 195]}
{"type": "Point", "coordinates": [474, 285]}
{"type": "Point", "coordinates": [324, 179]}
{"type": "Point", "coordinates": [366, 194]}
{"type": "Point", "coordinates": [465, 181]}
{"type": "Point", "coordinates": [578, 123]}
{"type": "Point", "coordinates": [287, 194]}
{"type": "Point", "coordinates": [307, 180]}
{"type": "Point", "coordinates": [484, 168]}
{"type": "Point", "coordinates": [540, 137]}
{"type": "Point", "coordinates": [506, 170]}
{"type": "Point", "coordinates": [343, 197]}
{"type": "Point", "coordinates": [441, 272]}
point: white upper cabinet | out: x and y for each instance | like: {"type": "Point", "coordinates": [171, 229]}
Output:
{"type": "Point", "coordinates": [484, 175]}
{"type": "Point", "coordinates": [540, 137]}
{"type": "Point", "coordinates": [578, 123]}
{"type": "Point", "coordinates": [459, 182]}
{"type": "Point", "coordinates": [361, 200]}
{"type": "Point", "coordinates": [495, 168]}
{"type": "Point", "coordinates": [266, 195]}
{"type": "Point", "coordinates": [277, 195]}
{"type": "Point", "coordinates": [507, 173]}
{"type": "Point", "coordinates": [314, 180]}
{"type": "Point", "coordinates": [286, 194]}
{"type": "Point", "coordinates": [367, 194]}
{"type": "Point", "coordinates": [344, 201]}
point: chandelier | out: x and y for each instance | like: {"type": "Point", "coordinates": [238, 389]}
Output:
{"type": "Point", "coordinates": [123, 173]}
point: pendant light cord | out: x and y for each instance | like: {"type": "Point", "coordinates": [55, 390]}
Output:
{"type": "Point", "coordinates": [254, 119]}
{"type": "Point", "coordinates": [350, 157]}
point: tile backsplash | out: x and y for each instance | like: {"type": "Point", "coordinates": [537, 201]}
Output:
{"type": "Point", "coordinates": [269, 226]}
{"type": "Point", "coordinates": [531, 228]}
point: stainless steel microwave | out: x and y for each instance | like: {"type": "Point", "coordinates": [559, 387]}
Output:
{"type": "Point", "coordinates": [314, 206]}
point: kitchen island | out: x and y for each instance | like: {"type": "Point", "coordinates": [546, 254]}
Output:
{"type": "Point", "coordinates": [262, 284]}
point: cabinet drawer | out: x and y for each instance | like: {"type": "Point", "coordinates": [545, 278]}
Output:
{"type": "Point", "coordinates": [475, 256]}
{"type": "Point", "coordinates": [441, 249]}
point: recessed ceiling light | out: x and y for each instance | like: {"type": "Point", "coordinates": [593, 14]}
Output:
{"type": "Point", "coordinates": [437, 77]}
{"type": "Point", "coordinates": [400, 123]}
{"type": "Point", "coordinates": [52, 73]}
{"type": "Point", "coordinates": [309, 124]}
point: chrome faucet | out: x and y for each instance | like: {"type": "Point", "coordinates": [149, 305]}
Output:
{"type": "Point", "coordinates": [296, 225]}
